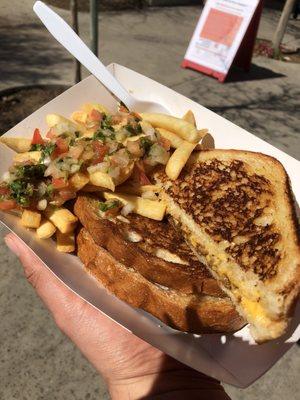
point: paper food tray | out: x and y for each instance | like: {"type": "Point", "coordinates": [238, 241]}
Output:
{"type": "Point", "coordinates": [233, 359]}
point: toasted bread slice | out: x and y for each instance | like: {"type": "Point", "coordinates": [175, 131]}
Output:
{"type": "Point", "coordinates": [189, 313]}
{"type": "Point", "coordinates": [236, 208]}
{"type": "Point", "coordinates": [154, 249]}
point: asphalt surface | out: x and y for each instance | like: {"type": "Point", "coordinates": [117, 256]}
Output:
{"type": "Point", "coordinates": [36, 360]}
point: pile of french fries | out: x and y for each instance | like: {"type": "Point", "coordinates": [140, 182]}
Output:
{"type": "Point", "coordinates": [182, 135]}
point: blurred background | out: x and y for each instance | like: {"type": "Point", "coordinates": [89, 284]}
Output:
{"type": "Point", "coordinates": [150, 37]}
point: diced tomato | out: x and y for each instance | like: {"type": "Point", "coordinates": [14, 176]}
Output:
{"type": "Point", "coordinates": [144, 180]}
{"type": "Point", "coordinates": [76, 151]}
{"type": "Point", "coordinates": [67, 194]}
{"type": "Point", "coordinates": [100, 150]}
{"type": "Point", "coordinates": [136, 115]}
{"type": "Point", "coordinates": [116, 119]}
{"type": "Point", "coordinates": [51, 133]}
{"type": "Point", "coordinates": [8, 205]}
{"type": "Point", "coordinates": [59, 183]}
{"type": "Point", "coordinates": [165, 143]}
{"type": "Point", "coordinates": [140, 173]}
{"type": "Point", "coordinates": [123, 109]}
{"type": "Point", "coordinates": [37, 138]}
{"type": "Point", "coordinates": [140, 165]}
{"type": "Point", "coordinates": [95, 115]}
{"type": "Point", "coordinates": [4, 190]}
{"type": "Point", "coordinates": [61, 147]}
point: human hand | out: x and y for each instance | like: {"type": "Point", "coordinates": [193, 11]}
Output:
{"type": "Point", "coordinates": [132, 368]}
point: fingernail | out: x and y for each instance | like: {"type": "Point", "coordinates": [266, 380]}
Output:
{"type": "Point", "coordinates": [13, 245]}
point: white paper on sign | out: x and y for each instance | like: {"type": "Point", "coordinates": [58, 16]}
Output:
{"type": "Point", "coordinates": [219, 33]}
{"type": "Point", "coordinates": [232, 359]}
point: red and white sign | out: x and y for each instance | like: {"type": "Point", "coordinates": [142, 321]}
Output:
{"type": "Point", "coordinates": [219, 34]}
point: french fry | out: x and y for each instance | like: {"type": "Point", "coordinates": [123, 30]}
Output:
{"type": "Point", "coordinates": [145, 207]}
{"type": "Point", "coordinates": [207, 142]}
{"type": "Point", "coordinates": [102, 179]}
{"type": "Point", "coordinates": [32, 156]}
{"type": "Point", "coordinates": [88, 107]}
{"type": "Point", "coordinates": [92, 188]}
{"type": "Point", "coordinates": [55, 119]}
{"type": "Point", "coordinates": [124, 174]}
{"type": "Point", "coordinates": [31, 219]}
{"type": "Point", "coordinates": [178, 159]}
{"type": "Point", "coordinates": [190, 117]}
{"type": "Point", "coordinates": [20, 145]}
{"type": "Point", "coordinates": [78, 181]}
{"type": "Point", "coordinates": [177, 125]}
{"type": "Point", "coordinates": [45, 230]}
{"type": "Point", "coordinates": [138, 190]}
{"type": "Point", "coordinates": [174, 139]}
{"type": "Point", "coordinates": [133, 138]}
{"type": "Point", "coordinates": [79, 116]}
{"type": "Point", "coordinates": [62, 218]}
{"type": "Point", "coordinates": [65, 242]}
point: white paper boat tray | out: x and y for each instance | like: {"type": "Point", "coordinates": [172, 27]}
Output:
{"type": "Point", "coordinates": [233, 359]}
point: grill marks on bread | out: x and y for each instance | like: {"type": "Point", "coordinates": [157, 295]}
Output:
{"type": "Point", "coordinates": [188, 276]}
{"type": "Point", "coordinates": [235, 207]}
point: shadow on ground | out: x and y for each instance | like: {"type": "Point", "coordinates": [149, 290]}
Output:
{"type": "Point", "coordinates": [256, 73]}
{"type": "Point", "coordinates": [28, 54]}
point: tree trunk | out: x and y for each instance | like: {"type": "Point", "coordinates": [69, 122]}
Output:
{"type": "Point", "coordinates": [74, 13]}
{"type": "Point", "coordinates": [94, 26]}
{"type": "Point", "coordinates": [282, 25]}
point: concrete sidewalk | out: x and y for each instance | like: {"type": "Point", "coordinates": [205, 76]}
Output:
{"type": "Point", "coordinates": [37, 361]}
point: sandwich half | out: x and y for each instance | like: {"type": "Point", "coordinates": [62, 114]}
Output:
{"type": "Point", "coordinates": [147, 264]}
{"type": "Point", "coordinates": [236, 211]}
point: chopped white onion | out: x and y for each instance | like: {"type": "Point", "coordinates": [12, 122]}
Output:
{"type": "Point", "coordinates": [42, 188]}
{"type": "Point", "coordinates": [157, 155]}
{"type": "Point", "coordinates": [121, 158]}
{"type": "Point", "coordinates": [127, 209]}
{"type": "Point", "coordinates": [42, 204]}
{"type": "Point", "coordinates": [6, 176]}
{"type": "Point", "coordinates": [47, 161]}
{"type": "Point", "coordinates": [114, 172]}
{"type": "Point", "coordinates": [103, 167]}
{"type": "Point", "coordinates": [74, 168]}
{"type": "Point", "coordinates": [148, 129]}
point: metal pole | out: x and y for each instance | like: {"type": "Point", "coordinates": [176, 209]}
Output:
{"type": "Point", "coordinates": [94, 26]}
{"type": "Point", "coordinates": [74, 13]}
{"type": "Point", "coordinates": [282, 25]}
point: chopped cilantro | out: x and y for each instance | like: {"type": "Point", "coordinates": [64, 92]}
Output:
{"type": "Point", "coordinates": [99, 135]}
{"type": "Point", "coordinates": [133, 129]}
{"type": "Point", "coordinates": [103, 136]}
{"type": "Point", "coordinates": [146, 144]}
{"type": "Point", "coordinates": [108, 205]}
{"type": "Point", "coordinates": [49, 190]}
{"type": "Point", "coordinates": [27, 172]}
{"type": "Point", "coordinates": [47, 150]}
{"type": "Point", "coordinates": [36, 147]}
{"type": "Point", "coordinates": [21, 191]}
{"type": "Point", "coordinates": [106, 123]}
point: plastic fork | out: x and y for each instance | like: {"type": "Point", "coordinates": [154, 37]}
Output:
{"type": "Point", "coordinates": [65, 35]}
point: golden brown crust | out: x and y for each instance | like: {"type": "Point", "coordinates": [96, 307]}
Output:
{"type": "Point", "coordinates": [235, 206]}
{"type": "Point", "coordinates": [113, 236]}
{"type": "Point", "coordinates": [190, 313]}
{"type": "Point", "coordinates": [244, 222]}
